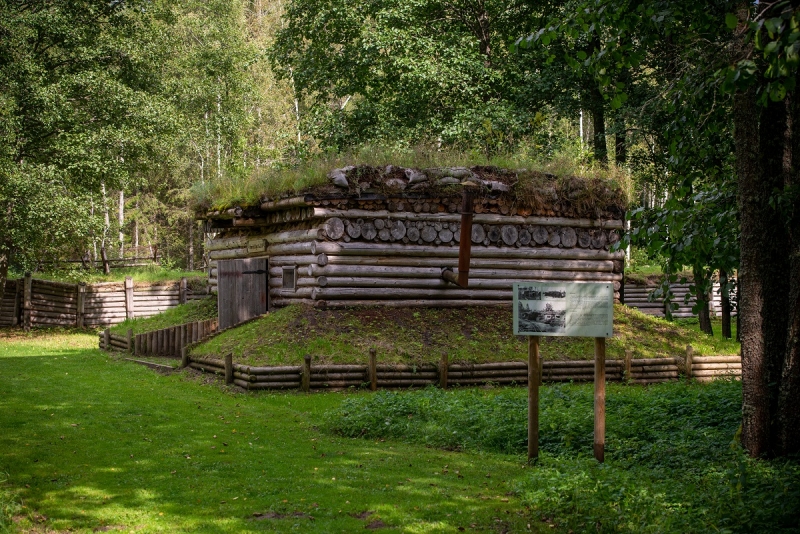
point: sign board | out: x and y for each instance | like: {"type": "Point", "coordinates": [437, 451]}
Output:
{"type": "Point", "coordinates": [576, 309]}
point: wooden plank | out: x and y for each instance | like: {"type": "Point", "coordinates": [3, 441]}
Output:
{"type": "Point", "coordinates": [599, 398]}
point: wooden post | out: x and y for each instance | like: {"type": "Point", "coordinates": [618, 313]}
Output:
{"type": "Point", "coordinates": [137, 344]}
{"type": "Point", "coordinates": [465, 242]}
{"type": "Point", "coordinates": [229, 368]}
{"type": "Point", "coordinates": [533, 397]}
{"type": "Point", "coordinates": [689, 357]}
{"type": "Point", "coordinates": [104, 257]}
{"type": "Point", "coordinates": [81, 305]}
{"type": "Point", "coordinates": [189, 333]}
{"type": "Point", "coordinates": [628, 358]}
{"type": "Point", "coordinates": [443, 366]}
{"type": "Point", "coordinates": [184, 358]}
{"type": "Point", "coordinates": [373, 369]}
{"type": "Point", "coordinates": [305, 382]}
{"type": "Point", "coordinates": [17, 307]}
{"type": "Point", "coordinates": [182, 291]}
{"type": "Point", "coordinates": [107, 339]}
{"type": "Point", "coordinates": [600, 398]}
{"type": "Point", "coordinates": [27, 302]}
{"type": "Point", "coordinates": [130, 340]}
{"type": "Point", "coordinates": [129, 303]}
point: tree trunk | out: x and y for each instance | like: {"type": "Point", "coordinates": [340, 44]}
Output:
{"type": "Point", "coordinates": [759, 166]}
{"type": "Point", "coordinates": [121, 220]}
{"type": "Point", "coordinates": [190, 265]}
{"type": "Point", "coordinates": [789, 394]}
{"type": "Point", "coordinates": [598, 124]}
{"type": "Point", "coordinates": [701, 284]}
{"type": "Point", "coordinates": [726, 303]}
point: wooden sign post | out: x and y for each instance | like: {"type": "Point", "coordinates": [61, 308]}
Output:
{"type": "Point", "coordinates": [574, 309]}
{"type": "Point", "coordinates": [534, 379]}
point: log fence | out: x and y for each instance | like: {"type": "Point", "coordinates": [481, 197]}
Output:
{"type": "Point", "coordinates": [638, 297]}
{"type": "Point", "coordinates": [373, 375]}
{"type": "Point", "coordinates": [163, 342]}
{"type": "Point", "coordinates": [30, 302]}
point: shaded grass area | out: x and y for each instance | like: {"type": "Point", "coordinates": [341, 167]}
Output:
{"type": "Point", "coordinates": [673, 462]}
{"type": "Point", "coordinates": [422, 335]}
{"type": "Point", "coordinates": [194, 310]}
{"type": "Point", "coordinates": [153, 273]}
{"type": "Point", "coordinates": [93, 444]}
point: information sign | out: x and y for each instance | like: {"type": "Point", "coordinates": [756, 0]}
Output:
{"type": "Point", "coordinates": [576, 309]}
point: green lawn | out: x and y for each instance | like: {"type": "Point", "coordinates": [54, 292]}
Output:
{"type": "Point", "coordinates": [90, 443]}
{"type": "Point", "coordinates": [421, 335]}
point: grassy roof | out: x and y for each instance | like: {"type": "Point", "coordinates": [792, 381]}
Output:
{"type": "Point", "coordinates": [535, 182]}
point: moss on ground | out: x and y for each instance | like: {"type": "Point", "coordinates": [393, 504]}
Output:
{"type": "Point", "coordinates": [407, 335]}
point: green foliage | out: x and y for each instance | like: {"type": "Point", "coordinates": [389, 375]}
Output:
{"type": "Point", "coordinates": [195, 310]}
{"type": "Point", "coordinates": [155, 273]}
{"type": "Point", "coordinates": [671, 464]}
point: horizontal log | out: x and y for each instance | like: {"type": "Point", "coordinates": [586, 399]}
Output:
{"type": "Point", "coordinates": [52, 284]}
{"type": "Point", "coordinates": [487, 366]}
{"type": "Point", "coordinates": [53, 315]}
{"type": "Point", "coordinates": [305, 248]}
{"type": "Point", "coordinates": [268, 370]}
{"type": "Point", "coordinates": [343, 293]}
{"type": "Point", "coordinates": [580, 363]}
{"type": "Point", "coordinates": [650, 368]}
{"type": "Point", "coordinates": [478, 279]}
{"type": "Point", "coordinates": [403, 367]}
{"type": "Point", "coordinates": [266, 385]}
{"type": "Point", "coordinates": [338, 368]}
{"type": "Point", "coordinates": [486, 263]}
{"type": "Point", "coordinates": [394, 249]}
{"type": "Point", "coordinates": [51, 305]}
{"type": "Point", "coordinates": [276, 282]}
{"type": "Point", "coordinates": [482, 218]}
{"type": "Point", "coordinates": [51, 322]}
{"type": "Point", "coordinates": [717, 359]}
{"type": "Point", "coordinates": [484, 374]}
{"type": "Point", "coordinates": [119, 345]}
{"type": "Point", "coordinates": [208, 361]}
{"type": "Point", "coordinates": [299, 260]}
{"type": "Point", "coordinates": [48, 294]}
{"type": "Point", "coordinates": [293, 377]}
{"type": "Point", "coordinates": [293, 236]}
{"type": "Point", "coordinates": [206, 368]}
{"type": "Point", "coordinates": [226, 243]}
{"type": "Point", "coordinates": [480, 381]}
{"type": "Point", "coordinates": [709, 366]}
{"type": "Point", "coordinates": [656, 361]}
{"type": "Point", "coordinates": [717, 372]}
{"type": "Point", "coordinates": [373, 268]}
{"type": "Point", "coordinates": [410, 303]}
{"type": "Point", "coordinates": [410, 376]}
{"type": "Point", "coordinates": [284, 203]}
{"type": "Point", "coordinates": [228, 254]}
{"type": "Point", "coordinates": [336, 376]}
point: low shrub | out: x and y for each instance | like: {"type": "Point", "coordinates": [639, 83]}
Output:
{"type": "Point", "coordinates": [673, 461]}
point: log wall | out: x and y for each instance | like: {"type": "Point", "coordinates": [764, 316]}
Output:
{"type": "Point", "coordinates": [639, 297]}
{"type": "Point", "coordinates": [362, 257]}
{"type": "Point", "coordinates": [163, 342]}
{"type": "Point", "coordinates": [31, 302]}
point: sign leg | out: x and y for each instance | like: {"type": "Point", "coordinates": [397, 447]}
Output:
{"type": "Point", "coordinates": [533, 397]}
{"type": "Point", "coordinates": [599, 398]}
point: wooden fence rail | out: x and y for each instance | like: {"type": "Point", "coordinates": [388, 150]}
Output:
{"type": "Point", "coordinates": [30, 302]}
{"type": "Point", "coordinates": [163, 342]}
{"type": "Point", "coordinates": [308, 377]}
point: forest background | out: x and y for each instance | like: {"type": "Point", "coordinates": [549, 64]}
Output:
{"type": "Point", "coordinates": [118, 120]}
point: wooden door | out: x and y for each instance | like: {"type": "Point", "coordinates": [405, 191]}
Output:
{"type": "Point", "coordinates": [242, 290]}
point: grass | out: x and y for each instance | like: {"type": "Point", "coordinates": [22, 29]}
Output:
{"type": "Point", "coordinates": [269, 183]}
{"type": "Point", "coordinates": [96, 444]}
{"type": "Point", "coordinates": [139, 274]}
{"type": "Point", "coordinates": [421, 335]}
{"type": "Point", "coordinates": [673, 463]}
{"type": "Point", "coordinates": [91, 443]}
{"type": "Point", "coordinates": [194, 310]}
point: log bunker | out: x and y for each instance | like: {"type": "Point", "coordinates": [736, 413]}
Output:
{"type": "Point", "coordinates": [385, 236]}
